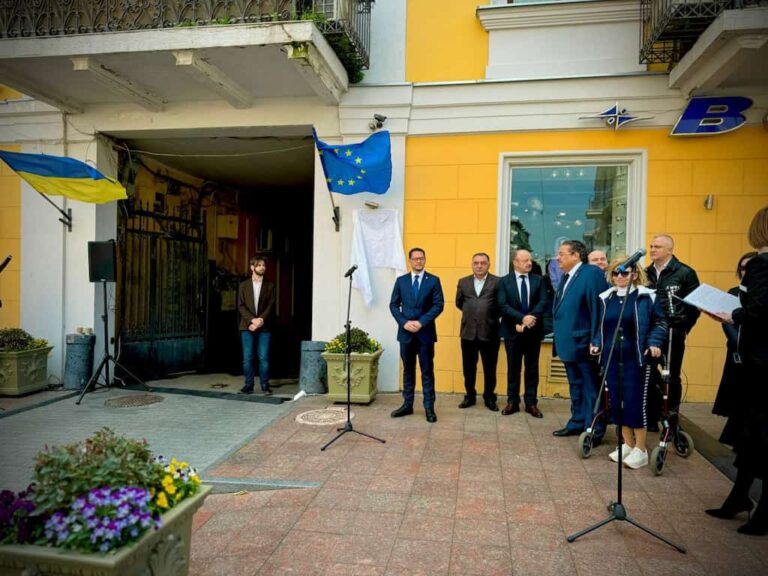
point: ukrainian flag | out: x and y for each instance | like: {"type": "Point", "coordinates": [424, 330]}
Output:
{"type": "Point", "coordinates": [60, 176]}
{"type": "Point", "coordinates": [354, 168]}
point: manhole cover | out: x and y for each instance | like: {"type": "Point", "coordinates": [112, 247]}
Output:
{"type": "Point", "coordinates": [133, 401]}
{"type": "Point", "coordinates": [324, 417]}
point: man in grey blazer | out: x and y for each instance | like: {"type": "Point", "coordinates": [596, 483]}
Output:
{"type": "Point", "coordinates": [476, 298]}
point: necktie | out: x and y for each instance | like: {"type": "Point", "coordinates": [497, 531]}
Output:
{"type": "Point", "coordinates": [561, 287]}
{"type": "Point", "coordinates": [523, 295]}
{"type": "Point", "coordinates": [415, 287]}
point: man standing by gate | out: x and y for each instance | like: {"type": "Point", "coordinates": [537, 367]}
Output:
{"type": "Point", "coordinates": [256, 304]}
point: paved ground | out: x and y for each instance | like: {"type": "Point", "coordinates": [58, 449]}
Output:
{"type": "Point", "coordinates": [474, 494]}
{"type": "Point", "coordinates": [200, 430]}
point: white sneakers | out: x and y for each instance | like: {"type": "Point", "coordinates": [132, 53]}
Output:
{"type": "Point", "coordinates": [625, 452]}
{"type": "Point", "coordinates": [634, 458]}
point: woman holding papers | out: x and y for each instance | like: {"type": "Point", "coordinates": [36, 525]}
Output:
{"type": "Point", "coordinates": [728, 402]}
{"type": "Point", "coordinates": [751, 442]}
{"type": "Point", "coordinates": [644, 328]}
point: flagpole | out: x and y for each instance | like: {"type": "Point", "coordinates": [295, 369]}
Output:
{"type": "Point", "coordinates": [66, 216]}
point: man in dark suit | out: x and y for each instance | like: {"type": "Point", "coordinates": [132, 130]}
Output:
{"type": "Point", "coordinates": [417, 300]}
{"type": "Point", "coordinates": [577, 322]}
{"type": "Point", "coordinates": [256, 304]}
{"type": "Point", "coordinates": [476, 298]}
{"type": "Point", "coordinates": [523, 301]}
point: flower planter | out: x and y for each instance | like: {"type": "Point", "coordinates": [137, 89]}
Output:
{"type": "Point", "coordinates": [24, 372]}
{"type": "Point", "coordinates": [364, 373]}
{"type": "Point", "coordinates": [163, 552]}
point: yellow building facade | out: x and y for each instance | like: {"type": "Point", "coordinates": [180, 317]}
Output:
{"type": "Point", "coordinates": [453, 184]}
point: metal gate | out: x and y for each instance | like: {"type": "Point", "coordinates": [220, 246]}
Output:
{"type": "Point", "coordinates": [163, 286]}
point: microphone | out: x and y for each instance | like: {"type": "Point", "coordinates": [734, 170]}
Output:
{"type": "Point", "coordinates": [351, 271]}
{"type": "Point", "coordinates": [632, 261]}
{"type": "Point", "coordinates": [5, 262]}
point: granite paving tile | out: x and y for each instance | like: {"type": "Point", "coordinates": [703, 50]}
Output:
{"type": "Point", "coordinates": [470, 559]}
{"type": "Point", "coordinates": [410, 556]}
{"type": "Point", "coordinates": [481, 532]}
{"type": "Point", "coordinates": [426, 527]}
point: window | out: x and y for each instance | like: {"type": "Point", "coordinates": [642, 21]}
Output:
{"type": "Point", "coordinates": [546, 199]}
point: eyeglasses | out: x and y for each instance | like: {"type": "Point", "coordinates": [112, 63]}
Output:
{"type": "Point", "coordinates": [615, 273]}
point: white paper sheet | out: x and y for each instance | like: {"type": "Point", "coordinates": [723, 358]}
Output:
{"type": "Point", "coordinates": [710, 299]}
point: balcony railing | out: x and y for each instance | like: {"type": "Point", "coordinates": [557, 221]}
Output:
{"type": "Point", "coordinates": [669, 28]}
{"type": "Point", "coordinates": [347, 19]}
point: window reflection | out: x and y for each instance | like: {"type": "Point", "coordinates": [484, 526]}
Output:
{"type": "Point", "coordinates": [551, 204]}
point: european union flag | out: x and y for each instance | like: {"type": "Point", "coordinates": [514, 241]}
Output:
{"type": "Point", "coordinates": [354, 168]}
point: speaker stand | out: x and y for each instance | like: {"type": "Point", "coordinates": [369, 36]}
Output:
{"type": "Point", "coordinates": [107, 358]}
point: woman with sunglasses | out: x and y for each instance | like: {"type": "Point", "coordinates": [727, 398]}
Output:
{"type": "Point", "coordinates": [644, 328]}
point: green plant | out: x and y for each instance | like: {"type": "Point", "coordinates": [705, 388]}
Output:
{"type": "Point", "coordinates": [348, 56]}
{"type": "Point", "coordinates": [361, 343]}
{"type": "Point", "coordinates": [18, 340]}
{"type": "Point", "coordinates": [63, 473]}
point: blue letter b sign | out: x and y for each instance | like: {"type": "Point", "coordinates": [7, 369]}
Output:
{"type": "Point", "coordinates": [705, 116]}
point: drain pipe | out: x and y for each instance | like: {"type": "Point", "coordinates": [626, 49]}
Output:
{"type": "Point", "coordinates": [62, 331]}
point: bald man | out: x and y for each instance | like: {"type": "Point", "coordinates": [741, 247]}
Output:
{"type": "Point", "coordinates": [598, 258]}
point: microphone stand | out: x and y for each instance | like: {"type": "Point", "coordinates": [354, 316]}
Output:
{"type": "Point", "coordinates": [618, 511]}
{"type": "Point", "coordinates": [348, 363]}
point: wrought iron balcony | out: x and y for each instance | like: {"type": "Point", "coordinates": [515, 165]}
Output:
{"type": "Point", "coordinates": [345, 23]}
{"type": "Point", "coordinates": [669, 28]}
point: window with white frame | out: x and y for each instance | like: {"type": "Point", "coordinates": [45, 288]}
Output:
{"type": "Point", "coordinates": [546, 199]}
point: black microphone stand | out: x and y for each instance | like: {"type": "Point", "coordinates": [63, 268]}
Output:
{"type": "Point", "coordinates": [348, 362]}
{"type": "Point", "coordinates": [618, 511]}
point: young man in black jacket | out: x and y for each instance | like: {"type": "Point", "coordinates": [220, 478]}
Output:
{"type": "Point", "coordinates": [672, 280]}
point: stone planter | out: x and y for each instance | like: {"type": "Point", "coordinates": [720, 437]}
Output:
{"type": "Point", "coordinates": [163, 552]}
{"type": "Point", "coordinates": [364, 373]}
{"type": "Point", "coordinates": [24, 372]}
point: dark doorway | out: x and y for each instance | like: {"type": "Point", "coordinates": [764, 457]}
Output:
{"type": "Point", "coordinates": [201, 203]}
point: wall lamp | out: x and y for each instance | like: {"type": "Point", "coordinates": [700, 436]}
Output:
{"type": "Point", "coordinates": [377, 122]}
{"type": "Point", "coordinates": [709, 201]}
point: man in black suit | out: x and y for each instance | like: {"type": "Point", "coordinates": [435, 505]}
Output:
{"type": "Point", "coordinates": [417, 300]}
{"type": "Point", "coordinates": [523, 302]}
{"type": "Point", "coordinates": [476, 298]}
{"type": "Point", "coordinates": [256, 305]}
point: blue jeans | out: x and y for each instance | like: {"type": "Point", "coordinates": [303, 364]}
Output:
{"type": "Point", "coordinates": [260, 341]}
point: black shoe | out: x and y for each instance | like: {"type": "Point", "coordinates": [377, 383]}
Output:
{"type": "Point", "coordinates": [267, 392]}
{"type": "Point", "coordinates": [729, 509]}
{"type": "Point", "coordinates": [467, 402]}
{"type": "Point", "coordinates": [246, 390]}
{"type": "Point", "coordinates": [753, 528]}
{"type": "Point", "coordinates": [492, 406]}
{"type": "Point", "coordinates": [404, 410]}
{"type": "Point", "coordinates": [566, 432]}
{"type": "Point", "coordinates": [431, 416]}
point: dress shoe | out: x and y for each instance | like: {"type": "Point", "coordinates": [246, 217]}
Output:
{"type": "Point", "coordinates": [730, 508]}
{"type": "Point", "coordinates": [510, 409]}
{"type": "Point", "coordinates": [467, 402]}
{"type": "Point", "coordinates": [267, 392]}
{"type": "Point", "coordinates": [566, 432]}
{"type": "Point", "coordinates": [534, 411]}
{"type": "Point", "coordinates": [246, 390]}
{"type": "Point", "coordinates": [754, 527]}
{"type": "Point", "coordinates": [431, 416]}
{"type": "Point", "coordinates": [492, 406]}
{"type": "Point", "coordinates": [404, 410]}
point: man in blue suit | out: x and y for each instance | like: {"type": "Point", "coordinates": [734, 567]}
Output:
{"type": "Point", "coordinates": [417, 300]}
{"type": "Point", "coordinates": [576, 318]}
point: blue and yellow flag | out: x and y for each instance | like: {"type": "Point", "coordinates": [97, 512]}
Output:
{"type": "Point", "coordinates": [354, 168]}
{"type": "Point", "coordinates": [61, 176]}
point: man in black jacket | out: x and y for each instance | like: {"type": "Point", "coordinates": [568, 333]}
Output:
{"type": "Point", "coordinates": [672, 280]}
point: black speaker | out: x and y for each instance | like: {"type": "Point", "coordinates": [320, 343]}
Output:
{"type": "Point", "coordinates": [101, 261]}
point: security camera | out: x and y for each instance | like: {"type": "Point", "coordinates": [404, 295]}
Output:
{"type": "Point", "coordinates": [377, 122]}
